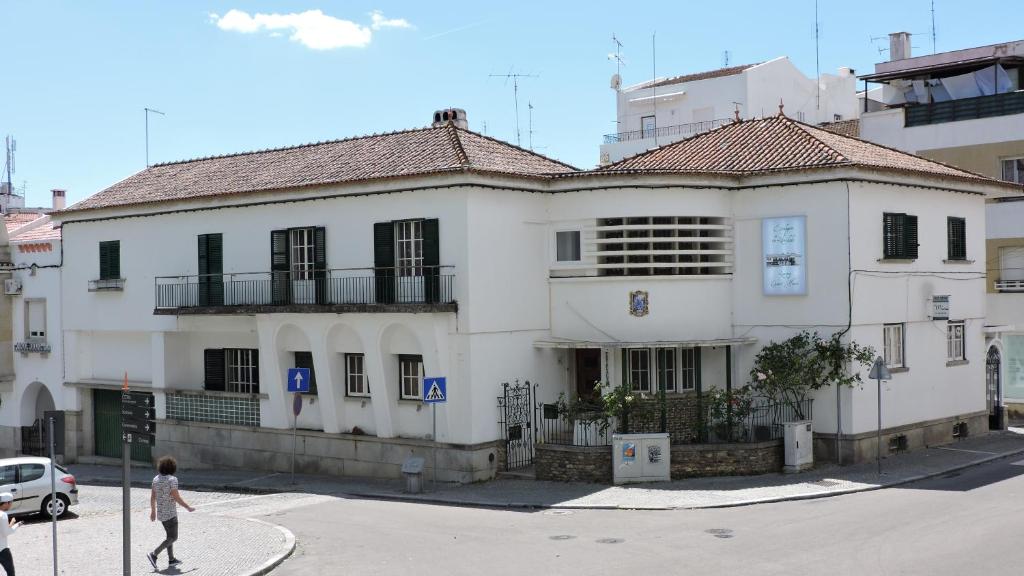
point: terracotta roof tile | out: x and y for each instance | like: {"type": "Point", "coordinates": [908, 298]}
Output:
{"type": "Point", "coordinates": [843, 127]}
{"type": "Point", "coordinates": [41, 232]}
{"type": "Point", "coordinates": [15, 220]}
{"type": "Point", "coordinates": [720, 72]}
{"type": "Point", "coordinates": [778, 144]}
{"type": "Point", "coordinates": [411, 152]}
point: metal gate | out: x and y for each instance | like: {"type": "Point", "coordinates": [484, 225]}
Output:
{"type": "Point", "coordinates": [515, 419]}
{"type": "Point", "coordinates": [992, 383]}
{"type": "Point", "coordinates": [107, 432]}
{"type": "Point", "coordinates": [33, 439]}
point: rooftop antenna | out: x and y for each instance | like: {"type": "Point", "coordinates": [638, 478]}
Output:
{"type": "Point", "coordinates": [529, 106]}
{"type": "Point", "coordinates": [148, 110]}
{"type": "Point", "coordinates": [619, 62]}
{"type": "Point", "coordinates": [817, 59]}
{"type": "Point", "coordinates": [933, 27]}
{"type": "Point", "coordinates": [726, 58]}
{"type": "Point", "coordinates": [515, 76]}
{"type": "Point", "coordinates": [654, 82]}
{"type": "Point", "coordinates": [9, 170]}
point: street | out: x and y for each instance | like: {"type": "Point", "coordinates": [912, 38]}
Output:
{"type": "Point", "coordinates": [966, 523]}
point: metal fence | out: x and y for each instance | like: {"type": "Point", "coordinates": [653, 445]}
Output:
{"type": "Point", "coordinates": [683, 130]}
{"type": "Point", "coordinates": [991, 106]}
{"type": "Point", "coordinates": [418, 285]}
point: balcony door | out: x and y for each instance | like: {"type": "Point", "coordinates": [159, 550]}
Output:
{"type": "Point", "coordinates": [210, 283]}
{"type": "Point", "coordinates": [406, 261]}
{"type": "Point", "coordinates": [298, 262]}
{"type": "Point", "coordinates": [409, 261]}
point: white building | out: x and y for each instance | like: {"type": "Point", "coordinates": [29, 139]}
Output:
{"type": "Point", "coordinates": [381, 260]}
{"type": "Point", "coordinates": [658, 112]}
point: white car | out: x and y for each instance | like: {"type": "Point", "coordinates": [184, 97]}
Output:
{"type": "Point", "coordinates": [28, 479]}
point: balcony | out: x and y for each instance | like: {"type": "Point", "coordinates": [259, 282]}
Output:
{"type": "Point", "coordinates": [964, 109]}
{"type": "Point", "coordinates": [1010, 285]}
{"type": "Point", "coordinates": [412, 289]}
{"type": "Point", "coordinates": [677, 132]}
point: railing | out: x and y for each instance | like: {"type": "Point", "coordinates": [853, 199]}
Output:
{"type": "Point", "coordinates": [684, 130]}
{"type": "Point", "coordinates": [964, 109]}
{"type": "Point", "coordinates": [235, 409]}
{"type": "Point", "coordinates": [587, 429]}
{"type": "Point", "coordinates": [1010, 285]}
{"type": "Point", "coordinates": [368, 286]}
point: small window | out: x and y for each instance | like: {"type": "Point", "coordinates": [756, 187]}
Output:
{"type": "Point", "coordinates": [30, 472]}
{"type": "Point", "coordinates": [1013, 170]}
{"type": "Point", "coordinates": [35, 320]}
{"type": "Point", "coordinates": [305, 360]}
{"type": "Point", "coordinates": [648, 125]}
{"type": "Point", "coordinates": [567, 246]}
{"type": "Point", "coordinates": [667, 369]}
{"type": "Point", "coordinates": [355, 375]}
{"type": "Point", "coordinates": [410, 375]}
{"type": "Point", "coordinates": [243, 370]}
{"type": "Point", "coordinates": [688, 368]}
{"type": "Point", "coordinates": [893, 345]}
{"type": "Point", "coordinates": [955, 340]}
{"type": "Point", "coordinates": [899, 236]}
{"type": "Point", "coordinates": [637, 369]}
{"type": "Point", "coordinates": [8, 475]}
{"type": "Point", "coordinates": [110, 260]}
{"type": "Point", "coordinates": [957, 238]}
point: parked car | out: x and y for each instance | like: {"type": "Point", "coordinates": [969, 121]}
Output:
{"type": "Point", "coordinates": [28, 479]}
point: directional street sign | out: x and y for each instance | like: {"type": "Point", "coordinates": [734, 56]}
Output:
{"type": "Point", "coordinates": [138, 438]}
{"type": "Point", "coordinates": [135, 412]}
{"type": "Point", "coordinates": [136, 399]}
{"type": "Point", "coordinates": [298, 379]}
{"type": "Point", "coordinates": [145, 426]}
{"type": "Point", "coordinates": [435, 391]}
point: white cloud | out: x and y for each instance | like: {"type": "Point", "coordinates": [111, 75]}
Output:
{"type": "Point", "coordinates": [312, 28]}
{"type": "Point", "coordinates": [379, 21]}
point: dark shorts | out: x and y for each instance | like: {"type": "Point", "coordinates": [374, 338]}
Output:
{"type": "Point", "coordinates": [171, 528]}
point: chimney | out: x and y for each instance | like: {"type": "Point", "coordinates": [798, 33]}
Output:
{"type": "Point", "coordinates": [58, 199]}
{"type": "Point", "coordinates": [456, 116]}
{"type": "Point", "coordinates": [899, 46]}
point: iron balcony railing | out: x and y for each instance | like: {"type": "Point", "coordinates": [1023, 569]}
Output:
{"type": "Point", "coordinates": [356, 286]}
{"type": "Point", "coordinates": [964, 109]}
{"type": "Point", "coordinates": [1010, 285]}
{"type": "Point", "coordinates": [683, 130]}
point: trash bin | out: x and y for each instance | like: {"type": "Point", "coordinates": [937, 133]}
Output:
{"type": "Point", "coordinates": [412, 469]}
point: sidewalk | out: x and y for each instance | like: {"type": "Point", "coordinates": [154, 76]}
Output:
{"type": "Point", "coordinates": [826, 480]}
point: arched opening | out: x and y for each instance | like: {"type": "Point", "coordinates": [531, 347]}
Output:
{"type": "Point", "coordinates": [35, 401]}
{"type": "Point", "coordinates": [295, 351]}
{"type": "Point", "coordinates": [993, 388]}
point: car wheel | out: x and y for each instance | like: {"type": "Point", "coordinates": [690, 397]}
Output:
{"type": "Point", "coordinates": [62, 506]}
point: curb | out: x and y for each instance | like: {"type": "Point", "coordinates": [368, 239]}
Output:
{"type": "Point", "coordinates": [275, 561]}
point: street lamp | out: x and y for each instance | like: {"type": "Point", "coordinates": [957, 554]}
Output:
{"type": "Point", "coordinates": [879, 371]}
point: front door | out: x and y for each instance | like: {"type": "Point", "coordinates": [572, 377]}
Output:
{"type": "Point", "coordinates": [992, 385]}
{"type": "Point", "coordinates": [588, 372]}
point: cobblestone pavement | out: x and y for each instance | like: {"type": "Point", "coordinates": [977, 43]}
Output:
{"type": "Point", "coordinates": [824, 480]}
{"type": "Point", "coordinates": [218, 539]}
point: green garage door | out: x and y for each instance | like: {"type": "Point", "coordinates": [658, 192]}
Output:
{"type": "Point", "coordinates": [107, 417]}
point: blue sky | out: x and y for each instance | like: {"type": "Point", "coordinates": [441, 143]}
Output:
{"type": "Point", "coordinates": [78, 74]}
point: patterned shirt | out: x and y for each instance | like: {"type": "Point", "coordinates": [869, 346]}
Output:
{"type": "Point", "coordinates": [166, 508]}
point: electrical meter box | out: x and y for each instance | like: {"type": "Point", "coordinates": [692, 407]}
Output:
{"type": "Point", "coordinates": [640, 458]}
{"type": "Point", "coordinates": [799, 444]}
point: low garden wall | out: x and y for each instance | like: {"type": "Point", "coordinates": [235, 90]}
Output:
{"type": "Point", "coordinates": [573, 463]}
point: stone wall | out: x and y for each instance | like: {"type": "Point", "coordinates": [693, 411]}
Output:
{"type": "Point", "coordinates": [692, 460]}
{"type": "Point", "coordinates": [857, 448]}
{"type": "Point", "coordinates": [573, 463]}
{"type": "Point", "coordinates": [201, 445]}
{"type": "Point", "coordinates": [682, 416]}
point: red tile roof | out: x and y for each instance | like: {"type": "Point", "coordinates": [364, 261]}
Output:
{"type": "Point", "coordinates": [396, 154]}
{"type": "Point", "coordinates": [779, 144]}
{"type": "Point", "coordinates": [843, 127]}
{"type": "Point", "coordinates": [730, 71]}
{"type": "Point", "coordinates": [15, 220]}
{"type": "Point", "coordinates": [42, 232]}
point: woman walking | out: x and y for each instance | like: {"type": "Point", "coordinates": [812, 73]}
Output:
{"type": "Point", "coordinates": [7, 527]}
{"type": "Point", "coordinates": [163, 501]}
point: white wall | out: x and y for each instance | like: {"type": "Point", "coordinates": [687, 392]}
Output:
{"type": "Point", "coordinates": [886, 127]}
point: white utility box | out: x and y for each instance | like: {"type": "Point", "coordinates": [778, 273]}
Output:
{"type": "Point", "coordinates": [799, 445]}
{"type": "Point", "coordinates": [640, 458]}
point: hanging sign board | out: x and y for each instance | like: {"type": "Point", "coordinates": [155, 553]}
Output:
{"type": "Point", "coordinates": [940, 307]}
{"type": "Point", "coordinates": [783, 246]}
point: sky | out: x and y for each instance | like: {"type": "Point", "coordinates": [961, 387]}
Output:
{"type": "Point", "coordinates": [237, 76]}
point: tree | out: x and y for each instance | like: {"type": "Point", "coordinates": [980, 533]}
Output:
{"type": "Point", "coordinates": [788, 371]}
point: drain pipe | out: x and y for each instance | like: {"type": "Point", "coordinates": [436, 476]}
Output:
{"type": "Point", "coordinates": [849, 323]}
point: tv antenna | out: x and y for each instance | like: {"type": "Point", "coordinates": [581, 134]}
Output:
{"type": "Point", "coordinates": [726, 58]}
{"type": "Point", "coordinates": [9, 168]}
{"type": "Point", "coordinates": [148, 110]}
{"type": "Point", "coordinates": [933, 27]}
{"type": "Point", "coordinates": [817, 59]}
{"type": "Point", "coordinates": [529, 106]}
{"type": "Point", "coordinates": [617, 56]}
{"type": "Point", "coordinates": [515, 76]}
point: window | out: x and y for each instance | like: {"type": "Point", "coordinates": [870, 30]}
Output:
{"type": "Point", "coordinates": [302, 256]}
{"type": "Point", "coordinates": [567, 246]}
{"type": "Point", "coordinates": [243, 370]}
{"type": "Point", "coordinates": [305, 360]}
{"type": "Point", "coordinates": [110, 260]}
{"type": "Point", "coordinates": [637, 368]}
{"type": "Point", "coordinates": [955, 340]}
{"type": "Point", "coordinates": [8, 475]}
{"type": "Point", "coordinates": [663, 245]}
{"type": "Point", "coordinates": [35, 320]}
{"type": "Point", "coordinates": [893, 345]}
{"type": "Point", "coordinates": [30, 472]}
{"type": "Point", "coordinates": [355, 375]}
{"type": "Point", "coordinates": [667, 370]}
{"type": "Point", "coordinates": [1013, 170]}
{"type": "Point", "coordinates": [956, 229]}
{"type": "Point", "coordinates": [409, 247]}
{"type": "Point", "coordinates": [688, 367]}
{"type": "Point", "coordinates": [647, 124]}
{"type": "Point", "coordinates": [410, 375]}
{"type": "Point", "coordinates": [899, 236]}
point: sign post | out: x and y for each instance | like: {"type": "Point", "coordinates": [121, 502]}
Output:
{"type": "Point", "coordinates": [298, 382]}
{"type": "Point", "coordinates": [879, 371]}
{"type": "Point", "coordinates": [435, 391]}
{"type": "Point", "coordinates": [138, 426]}
{"type": "Point", "coordinates": [53, 493]}
{"type": "Point", "coordinates": [126, 497]}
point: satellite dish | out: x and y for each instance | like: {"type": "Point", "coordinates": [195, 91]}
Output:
{"type": "Point", "coordinates": [616, 82]}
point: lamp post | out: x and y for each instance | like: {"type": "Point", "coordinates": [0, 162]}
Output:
{"type": "Point", "coordinates": [879, 371]}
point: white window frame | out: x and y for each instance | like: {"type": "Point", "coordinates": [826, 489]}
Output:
{"type": "Point", "coordinates": [688, 369]}
{"type": "Point", "coordinates": [579, 245]}
{"type": "Point", "coordinates": [955, 349]}
{"type": "Point", "coordinates": [893, 345]}
{"type": "Point", "coordinates": [1015, 165]}
{"type": "Point", "coordinates": [356, 383]}
{"type": "Point", "coordinates": [242, 371]}
{"type": "Point", "coordinates": [409, 247]}
{"type": "Point", "coordinates": [410, 376]}
{"type": "Point", "coordinates": [30, 334]}
{"type": "Point", "coordinates": [302, 255]}
{"type": "Point", "coordinates": [672, 355]}
{"type": "Point", "coordinates": [639, 379]}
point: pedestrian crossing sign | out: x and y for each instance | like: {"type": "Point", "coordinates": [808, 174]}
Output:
{"type": "Point", "coordinates": [435, 391]}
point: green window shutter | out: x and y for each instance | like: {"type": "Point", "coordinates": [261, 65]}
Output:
{"type": "Point", "coordinates": [320, 264]}
{"type": "Point", "coordinates": [210, 258]}
{"type": "Point", "coordinates": [256, 371]}
{"type": "Point", "coordinates": [432, 260]}
{"type": "Point", "coordinates": [890, 244]}
{"type": "Point", "coordinates": [110, 260]}
{"type": "Point", "coordinates": [279, 267]}
{"type": "Point", "coordinates": [910, 237]}
{"type": "Point", "coordinates": [305, 360]}
{"type": "Point", "coordinates": [957, 238]}
{"type": "Point", "coordinates": [384, 261]}
{"type": "Point", "coordinates": [215, 368]}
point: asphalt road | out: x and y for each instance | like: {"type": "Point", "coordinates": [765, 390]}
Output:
{"type": "Point", "coordinates": [969, 522]}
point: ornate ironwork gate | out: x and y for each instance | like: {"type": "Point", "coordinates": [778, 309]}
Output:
{"type": "Point", "coordinates": [516, 415]}
{"type": "Point", "coordinates": [992, 384]}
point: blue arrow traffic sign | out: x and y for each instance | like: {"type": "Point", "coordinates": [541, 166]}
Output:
{"type": "Point", "coordinates": [298, 379]}
{"type": "Point", "coordinates": [435, 390]}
